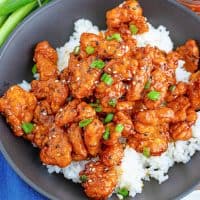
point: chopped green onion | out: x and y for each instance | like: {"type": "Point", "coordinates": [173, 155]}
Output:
{"type": "Point", "coordinates": [172, 88]}
{"type": "Point", "coordinates": [94, 104]}
{"type": "Point", "coordinates": [123, 192]}
{"type": "Point", "coordinates": [133, 29]}
{"type": "Point", "coordinates": [98, 64]}
{"type": "Point", "coordinates": [106, 134]}
{"type": "Point", "coordinates": [112, 102]}
{"type": "Point", "coordinates": [147, 85]}
{"type": "Point", "coordinates": [146, 152]}
{"type": "Point", "coordinates": [98, 108]}
{"type": "Point", "coordinates": [107, 79]}
{"type": "Point", "coordinates": [76, 50]}
{"type": "Point", "coordinates": [109, 118]}
{"type": "Point", "coordinates": [153, 95]}
{"type": "Point", "coordinates": [83, 178]}
{"type": "Point", "coordinates": [115, 36]}
{"type": "Point", "coordinates": [27, 127]}
{"type": "Point", "coordinates": [85, 122]}
{"type": "Point", "coordinates": [90, 50]}
{"type": "Point", "coordinates": [34, 69]}
{"type": "Point", "coordinates": [119, 128]}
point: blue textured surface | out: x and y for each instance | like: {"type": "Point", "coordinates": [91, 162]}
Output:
{"type": "Point", "coordinates": [12, 187]}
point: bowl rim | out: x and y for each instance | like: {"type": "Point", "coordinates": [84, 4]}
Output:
{"type": "Point", "coordinates": [2, 51]}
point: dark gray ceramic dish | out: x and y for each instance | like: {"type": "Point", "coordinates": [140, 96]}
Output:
{"type": "Point", "coordinates": [55, 23]}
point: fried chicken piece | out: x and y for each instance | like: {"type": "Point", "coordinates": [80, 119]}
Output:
{"type": "Point", "coordinates": [74, 111]}
{"type": "Point", "coordinates": [159, 84]}
{"type": "Point", "coordinates": [122, 69]}
{"type": "Point", "coordinates": [107, 92]}
{"type": "Point", "coordinates": [194, 92]}
{"type": "Point", "coordinates": [57, 149]}
{"type": "Point", "coordinates": [46, 69]}
{"type": "Point", "coordinates": [181, 131]}
{"type": "Point", "coordinates": [76, 140]}
{"type": "Point", "coordinates": [101, 180]}
{"type": "Point", "coordinates": [142, 75]}
{"type": "Point", "coordinates": [17, 105]}
{"type": "Point", "coordinates": [46, 58]}
{"type": "Point", "coordinates": [125, 106]}
{"type": "Point", "coordinates": [144, 128]}
{"type": "Point", "coordinates": [89, 40]}
{"type": "Point", "coordinates": [43, 113]}
{"type": "Point", "coordinates": [179, 106]}
{"type": "Point", "coordinates": [92, 136]}
{"type": "Point", "coordinates": [112, 155]}
{"type": "Point", "coordinates": [178, 90]}
{"type": "Point", "coordinates": [156, 143]}
{"type": "Point", "coordinates": [67, 114]}
{"type": "Point", "coordinates": [47, 51]}
{"type": "Point", "coordinates": [189, 52]}
{"type": "Point", "coordinates": [114, 135]}
{"type": "Point", "coordinates": [113, 49]}
{"type": "Point", "coordinates": [126, 14]}
{"type": "Point", "coordinates": [40, 133]}
{"type": "Point", "coordinates": [64, 74]}
{"type": "Point", "coordinates": [53, 91]}
{"type": "Point", "coordinates": [82, 78]}
{"type": "Point", "coordinates": [126, 121]}
{"type": "Point", "coordinates": [191, 116]}
{"type": "Point", "coordinates": [155, 117]}
{"type": "Point", "coordinates": [85, 111]}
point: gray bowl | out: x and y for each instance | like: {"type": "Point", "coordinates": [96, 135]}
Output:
{"type": "Point", "coordinates": [55, 24]}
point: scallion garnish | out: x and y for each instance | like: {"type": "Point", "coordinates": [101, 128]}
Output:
{"type": "Point", "coordinates": [34, 69]}
{"type": "Point", "coordinates": [90, 50]}
{"type": "Point", "coordinates": [83, 178]}
{"type": "Point", "coordinates": [112, 102]}
{"type": "Point", "coordinates": [133, 28]}
{"type": "Point", "coordinates": [99, 64]}
{"type": "Point", "coordinates": [107, 79]}
{"type": "Point", "coordinates": [123, 192]}
{"type": "Point", "coordinates": [106, 134]}
{"type": "Point", "coordinates": [98, 108]}
{"type": "Point", "coordinates": [115, 36]}
{"type": "Point", "coordinates": [119, 128]}
{"type": "Point", "coordinates": [146, 152]}
{"type": "Point", "coordinates": [27, 127]}
{"type": "Point", "coordinates": [109, 118]}
{"type": "Point", "coordinates": [154, 95]}
{"type": "Point", "coordinates": [85, 122]}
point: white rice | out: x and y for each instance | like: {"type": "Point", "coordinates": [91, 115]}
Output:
{"type": "Point", "coordinates": [181, 73]}
{"type": "Point", "coordinates": [25, 85]}
{"type": "Point", "coordinates": [156, 38]}
{"type": "Point", "coordinates": [132, 172]}
{"type": "Point", "coordinates": [135, 168]}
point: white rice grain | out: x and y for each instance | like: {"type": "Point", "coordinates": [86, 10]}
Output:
{"type": "Point", "coordinates": [156, 38]}
{"type": "Point", "coordinates": [25, 85]}
{"type": "Point", "coordinates": [181, 73]}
